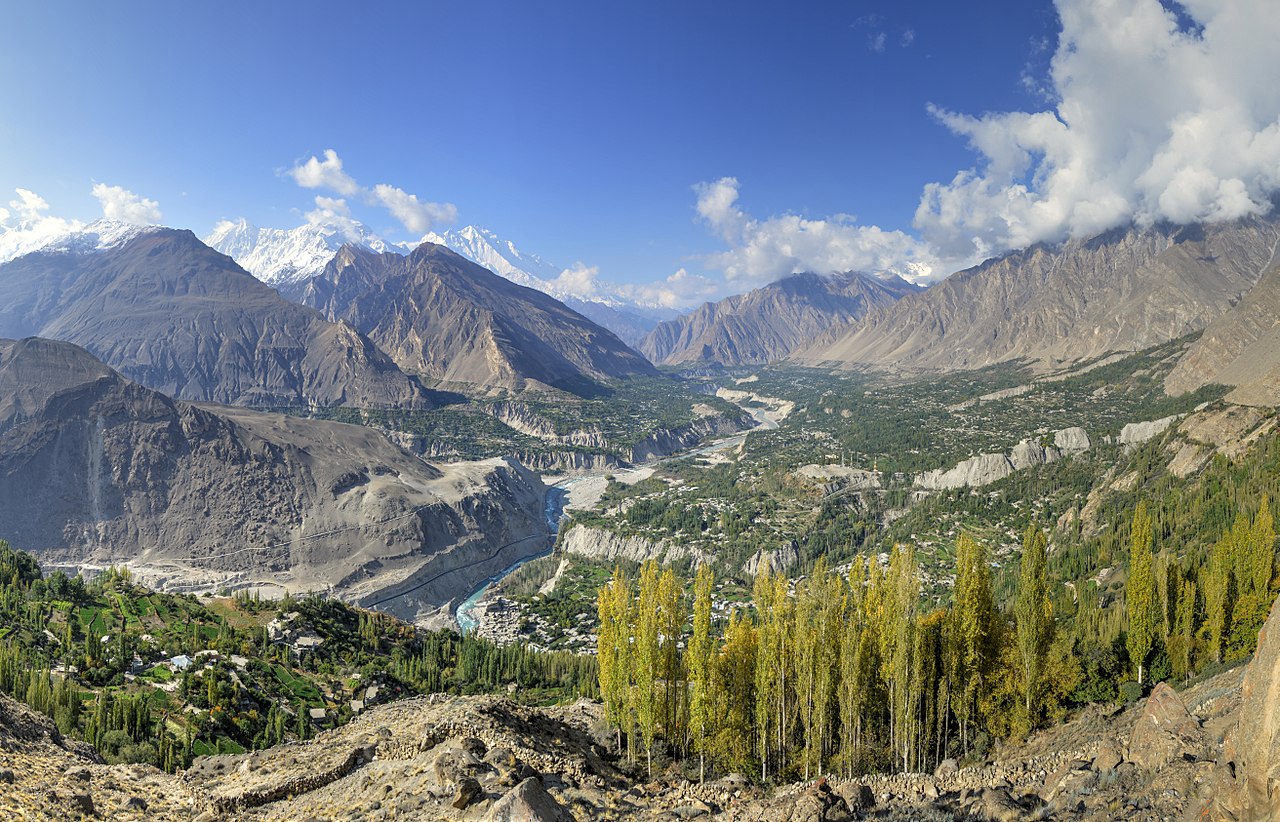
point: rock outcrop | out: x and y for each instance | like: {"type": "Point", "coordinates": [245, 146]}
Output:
{"type": "Point", "coordinates": [776, 560]}
{"type": "Point", "coordinates": [96, 470]}
{"type": "Point", "coordinates": [666, 441]}
{"type": "Point", "coordinates": [1164, 732]}
{"type": "Point", "coordinates": [171, 313]}
{"type": "Point", "coordinates": [1136, 433]}
{"type": "Point", "coordinates": [1071, 440]}
{"type": "Point", "coordinates": [1247, 788]}
{"type": "Point", "coordinates": [606, 546]}
{"type": "Point", "coordinates": [974, 472]}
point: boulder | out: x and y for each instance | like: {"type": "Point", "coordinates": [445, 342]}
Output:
{"type": "Point", "coordinates": [819, 804]}
{"type": "Point", "coordinates": [1108, 757]}
{"type": "Point", "coordinates": [998, 806]}
{"type": "Point", "coordinates": [946, 769]}
{"type": "Point", "coordinates": [1247, 787]}
{"type": "Point", "coordinates": [528, 802]}
{"type": "Point", "coordinates": [468, 789]}
{"type": "Point", "coordinates": [1165, 731]}
{"type": "Point", "coordinates": [857, 797]}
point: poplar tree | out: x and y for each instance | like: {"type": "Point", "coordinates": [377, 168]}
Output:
{"type": "Point", "coordinates": [1183, 630]}
{"type": "Point", "coordinates": [672, 619]}
{"type": "Point", "coordinates": [1034, 613]}
{"type": "Point", "coordinates": [1139, 593]}
{"type": "Point", "coordinates": [973, 617]}
{"type": "Point", "coordinates": [767, 665]}
{"type": "Point", "coordinates": [647, 661]}
{"type": "Point", "coordinates": [699, 661]}
{"type": "Point", "coordinates": [1217, 583]}
{"type": "Point", "coordinates": [613, 643]}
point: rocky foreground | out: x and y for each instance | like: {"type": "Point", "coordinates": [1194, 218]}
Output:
{"type": "Point", "coordinates": [1208, 752]}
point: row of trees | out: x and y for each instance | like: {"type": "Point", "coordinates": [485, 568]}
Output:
{"type": "Point", "coordinates": [843, 671]}
{"type": "Point", "coordinates": [847, 671]}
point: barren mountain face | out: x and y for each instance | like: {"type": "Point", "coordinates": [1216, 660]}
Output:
{"type": "Point", "coordinates": [768, 323]}
{"type": "Point", "coordinates": [1124, 290]}
{"type": "Point", "coordinates": [177, 316]}
{"type": "Point", "coordinates": [440, 315]}
{"type": "Point", "coordinates": [96, 470]}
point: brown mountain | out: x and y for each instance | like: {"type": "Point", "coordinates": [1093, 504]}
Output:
{"type": "Point", "coordinates": [175, 315]}
{"type": "Point", "coordinates": [1241, 348]}
{"type": "Point", "coordinates": [442, 316]}
{"type": "Point", "coordinates": [1123, 290]}
{"type": "Point", "coordinates": [98, 470]}
{"type": "Point", "coordinates": [768, 323]}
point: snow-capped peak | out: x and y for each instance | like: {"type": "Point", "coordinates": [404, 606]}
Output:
{"type": "Point", "coordinates": [285, 256]}
{"type": "Point", "coordinates": [482, 246]}
{"type": "Point", "coordinates": [72, 237]}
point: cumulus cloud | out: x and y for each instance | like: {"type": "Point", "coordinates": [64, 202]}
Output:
{"type": "Point", "coordinates": [121, 204]}
{"type": "Point", "coordinates": [582, 281]}
{"type": "Point", "coordinates": [26, 225]}
{"type": "Point", "coordinates": [680, 290]}
{"type": "Point", "coordinates": [334, 212]}
{"type": "Point", "coordinates": [417, 216]}
{"type": "Point", "coordinates": [761, 250]}
{"type": "Point", "coordinates": [326, 173]}
{"type": "Point", "coordinates": [1158, 114]}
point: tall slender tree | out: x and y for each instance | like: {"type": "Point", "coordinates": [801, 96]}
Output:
{"type": "Point", "coordinates": [1033, 611]}
{"type": "Point", "coordinates": [1139, 592]}
{"type": "Point", "coordinates": [699, 665]}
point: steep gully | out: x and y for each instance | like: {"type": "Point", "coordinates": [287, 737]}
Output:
{"type": "Point", "coordinates": [558, 499]}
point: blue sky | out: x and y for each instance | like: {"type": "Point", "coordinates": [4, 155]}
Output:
{"type": "Point", "coordinates": [579, 130]}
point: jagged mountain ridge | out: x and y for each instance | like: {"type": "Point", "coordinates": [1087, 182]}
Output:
{"type": "Point", "coordinates": [1126, 289]}
{"type": "Point", "coordinates": [97, 470]}
{"type": "Point", "coordinates": [286, 258]}
{"type": "Point", "coordinates": [172, 313]}
{"type": "Point", "coordinates": [767, 323]}
{"type": "Point", "coordinates": [440, 315]}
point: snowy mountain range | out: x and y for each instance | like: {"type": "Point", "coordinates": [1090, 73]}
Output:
{"type": "Point", "coordinates": [100, 235]}
{"type": "Point", "coordinates": [283, 257]}
{"type": "Point", "coordinates": [286, 258]}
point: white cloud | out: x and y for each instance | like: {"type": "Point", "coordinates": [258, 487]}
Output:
{"type": "Point", "coordinates": [326, 173]}
{"type": "Point", "coordinates": [1151, 121]}
{"type": "Point", "coordinates": [680, 290]}
{"type": "Point", "coordinates": [764, 250]}
{"type": "Point", "coordinates": [25, 226]}
{"type": "Point", "coordinates": [121, 204]}
{"type": "Point", "coordinates": [582, 281]}
{"type": "Point", "coordinates": [415, 215]}
{"type": "Point", "coordinates": [334, 212]}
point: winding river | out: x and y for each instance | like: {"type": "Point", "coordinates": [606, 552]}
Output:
{"type": "Point", "coordinates": [558, 498]}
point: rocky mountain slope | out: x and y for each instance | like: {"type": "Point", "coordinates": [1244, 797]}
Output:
{"type": "Point", "coordinates": [172, 313]}
{"type": "Point", "coordinates": [1123, 290]}
{"type": "Point", "coordinates": [96, 470]}
{"type": "Point", "coordinates": [768, 323]}
{"type": "Point", "coordinates": [442, 316]}
{"type": "Point", "coordinates": [1241, 348]}
{"type": "Point", "coordinates": [605, 305]}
